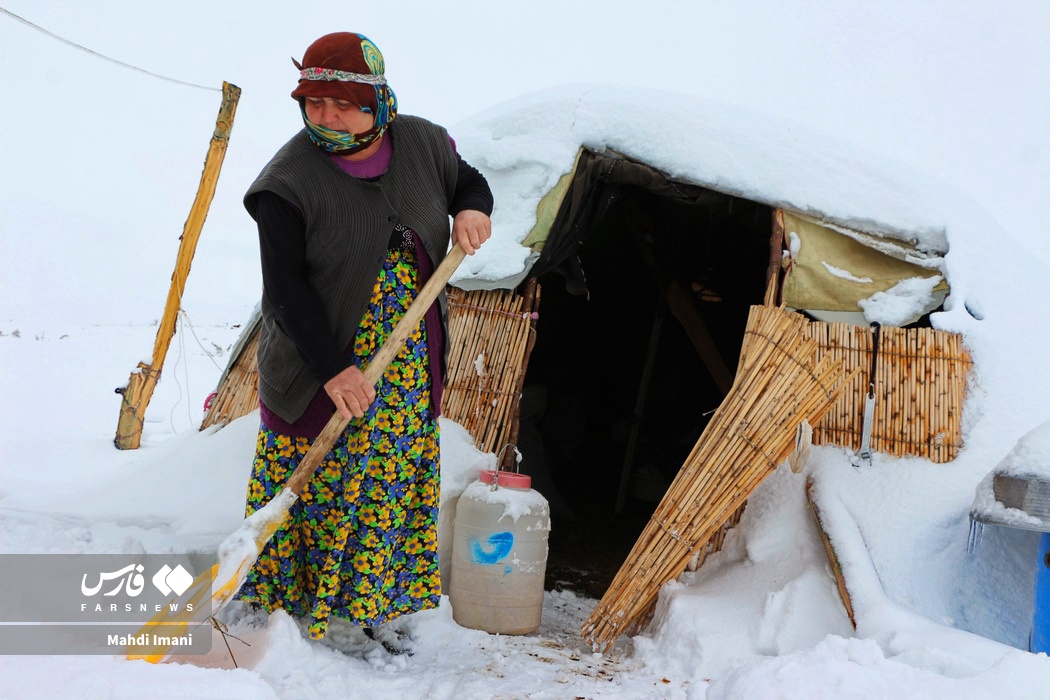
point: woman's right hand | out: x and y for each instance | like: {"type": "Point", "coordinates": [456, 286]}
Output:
{"type": "Point", "coordinates": [350, 392]}
{"type": "Point", "coordinates": [471, 228]}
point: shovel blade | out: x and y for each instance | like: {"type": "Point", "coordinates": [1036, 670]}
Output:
{"type": "Point", "coordinates": [175, 620]}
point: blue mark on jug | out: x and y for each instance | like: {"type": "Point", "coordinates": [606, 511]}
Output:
{"type": "Point", "coordinates": [499, 546]}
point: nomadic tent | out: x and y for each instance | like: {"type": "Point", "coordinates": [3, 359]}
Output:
{"type": "Point", "coordinates": [666, 271]}
{"type": "Point", "coordinates": [647, 282]}
{"type": "Point", "coordinates": [605, 358]}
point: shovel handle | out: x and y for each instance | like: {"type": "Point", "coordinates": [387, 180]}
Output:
{"type": "Point", "coordinates": [322, 445]}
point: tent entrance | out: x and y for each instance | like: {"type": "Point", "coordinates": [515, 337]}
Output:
{"type": "Point", "coordinates": [625, 376]}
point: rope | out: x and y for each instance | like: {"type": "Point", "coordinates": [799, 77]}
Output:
{"type": "Point", "coordinates": [805, 366]}
{"type": "Point", "coordinates": [126, 404]}
{"type": "Point", "coordinates": [937, 441]}
{"type": "Point", "coordinates": [175, 376]}
{"type": "Point", "coordinates": [940, 356]}
{"type": "Point", "coordinates": [148, 372]}
{"type": "Point", "coordinates": [691, 547]}
{"type": "Point", "coordinates": [103, 56]}
{"type": "Point", "coordinates": [740, 431]}
{"type": "Point", "coordinates": [188, 325]}
{"type": "Point", "coordinates": [526, 315]}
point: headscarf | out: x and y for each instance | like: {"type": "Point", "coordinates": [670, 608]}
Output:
{"type": "Point", "coordinates": [345, 66]}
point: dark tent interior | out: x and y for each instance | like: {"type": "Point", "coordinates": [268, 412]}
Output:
{"type": "Point", "coordinates": [646, 285]}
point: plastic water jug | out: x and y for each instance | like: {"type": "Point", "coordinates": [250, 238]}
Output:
{"type": "Point", "coordinates": [499, 554]}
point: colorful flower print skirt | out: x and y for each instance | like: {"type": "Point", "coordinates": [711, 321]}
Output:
{"type": "Point", "coordinates": [361, 543]}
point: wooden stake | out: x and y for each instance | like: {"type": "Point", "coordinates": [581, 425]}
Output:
{"type": "Point", "coordinates": [776, 256]}
{"type": "Point", "coordinates": [833, 559]}
{"type": "Point", "coordinates": [139, 389]}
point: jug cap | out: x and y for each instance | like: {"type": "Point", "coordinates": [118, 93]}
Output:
{"type": "Point", "coordinates": [509, 479]}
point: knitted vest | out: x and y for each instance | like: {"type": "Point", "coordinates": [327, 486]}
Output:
{"type": "Point", "coordinates": [348, 225]}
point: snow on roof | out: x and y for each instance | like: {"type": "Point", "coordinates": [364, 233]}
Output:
{"type": "Point", "coordinates": [526, 144]}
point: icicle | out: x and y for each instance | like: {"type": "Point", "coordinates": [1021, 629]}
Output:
{"type": "Point", "coordinates": [975, 537]}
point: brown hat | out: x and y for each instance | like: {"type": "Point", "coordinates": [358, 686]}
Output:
{"type": "Point", "coordinates": [343, 66]}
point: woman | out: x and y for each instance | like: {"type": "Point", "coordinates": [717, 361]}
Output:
{"type": "Point", "coordinates": [353, 217]}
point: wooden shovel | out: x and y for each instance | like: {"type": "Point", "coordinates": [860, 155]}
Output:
{"type": "Point", "coordinates": [240, 550]}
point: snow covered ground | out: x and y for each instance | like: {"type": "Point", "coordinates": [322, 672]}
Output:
{"type": "Point", "coordinates": [928, 118]}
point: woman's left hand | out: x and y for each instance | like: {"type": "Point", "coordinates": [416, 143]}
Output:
{"type": "Point", "coordinates": [471, 228]}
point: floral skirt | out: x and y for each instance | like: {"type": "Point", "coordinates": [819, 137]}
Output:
{"type": "Point", "coordinates": [361, 542]}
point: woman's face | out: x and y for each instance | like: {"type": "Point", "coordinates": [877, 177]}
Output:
{"type": "Point", "coordinates": [338, 115]}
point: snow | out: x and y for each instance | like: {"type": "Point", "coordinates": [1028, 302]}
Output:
{"type": "Point", "coordinates": [1029, 460]}
{"type": "Point", "coordinates": [516, 502]}
{"type": "Point", "coordinates": [986, 508]}
{"type": "Point", "coordinates": [902, 302]}
{"type": "Point", "coordinates": [731, 149]}
{"type": "Point", "coordinates": [844, 274]}
{"type": "Point", "coordinates": [1030, 456]}
{"type": "Point", "coordinates": [925, 121]}
{"type": "Point", "coordinates": [242, 546]}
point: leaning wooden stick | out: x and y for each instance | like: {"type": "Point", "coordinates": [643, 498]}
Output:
{"type": "Point", "coordinates": [240, 550]}
{"type": "Point", "coordinates": [139, 390]}
{"type": "Point", "coordinates": [833, 558]}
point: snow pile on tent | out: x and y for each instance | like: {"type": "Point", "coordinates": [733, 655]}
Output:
{"type": "Point", "coordinates": [525, 145]}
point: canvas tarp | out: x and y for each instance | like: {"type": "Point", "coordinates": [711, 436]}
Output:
{"type": "Point", "coordinates": [833, 268]}
{"type": "Point", "coordinates": [568, 214]}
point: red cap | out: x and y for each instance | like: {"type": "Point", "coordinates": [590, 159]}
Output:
{"type": "Point", "coordinates": [345, 51]}
{"type": "Point", "coordinates": [511, 480]}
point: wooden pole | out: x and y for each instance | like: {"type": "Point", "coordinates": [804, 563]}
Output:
{"type": "Point", "coordinates": [776, 256]}
{"type": "Point", "coordinates": [683, 308]}
{"type": "Point", "coordinates": [833, 557]}
{"type": "Point", "coordinates": [139, 389]}
{"type": "Point", "coordinates": [375, 368]}
{"type": "Point", "coordinates": [529, 305]}
{"type": "Point", "coordinates": [640, 399]}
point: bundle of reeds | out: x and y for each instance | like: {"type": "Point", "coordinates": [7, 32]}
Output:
{"type": "Point", "coordinates": [238, 392]}
{"type": "Point", "coordinates": [920, 383]}
{"type": "Point", "coordinates": [779, 382]}
{"type": "Point", "coordinates": [489, 333]}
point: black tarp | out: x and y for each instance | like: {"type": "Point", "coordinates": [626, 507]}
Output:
{"type": "Point", "coordinates": [600, 181]}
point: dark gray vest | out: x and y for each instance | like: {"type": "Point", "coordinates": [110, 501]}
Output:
{"type": "Point", "coordinates": [348, 226]}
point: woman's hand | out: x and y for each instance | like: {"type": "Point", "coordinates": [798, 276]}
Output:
{"type": "Point", "coordinates": [350, 392]}
{"type": "Point", "coordinates": [471, 228]}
